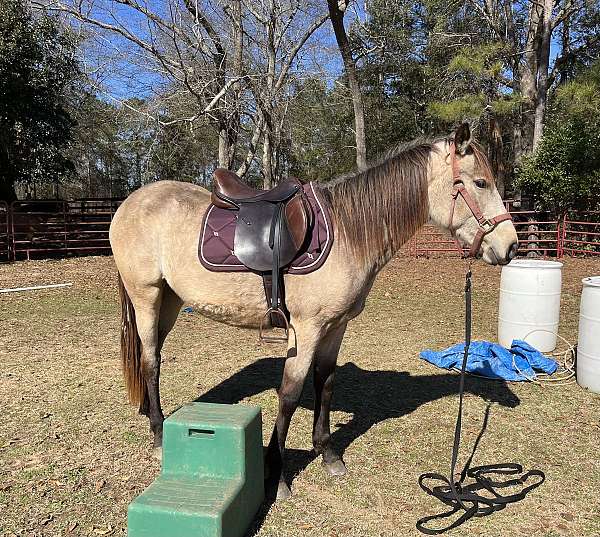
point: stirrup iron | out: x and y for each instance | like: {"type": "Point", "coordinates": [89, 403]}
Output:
{"type": "Point", "coordinates": [273, 337]}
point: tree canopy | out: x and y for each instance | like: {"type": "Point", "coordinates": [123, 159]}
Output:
{"type": "Point", "coordinates": [174, 89]}
{"type": "Point", "coordinates": [37, 70]}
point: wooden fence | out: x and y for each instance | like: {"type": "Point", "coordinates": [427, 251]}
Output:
{"type": "Point", "coordinates": [46, 228]}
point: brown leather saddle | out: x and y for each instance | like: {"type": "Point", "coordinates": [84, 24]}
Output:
{"type": "Point", "coordinates": [271, 229]}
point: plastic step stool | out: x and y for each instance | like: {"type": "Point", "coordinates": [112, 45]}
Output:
{"type": "Point", "coordinates": [211, 482]}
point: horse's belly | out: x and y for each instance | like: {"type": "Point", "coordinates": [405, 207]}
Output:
{"type": "Point", "coordinates": [240, 315]}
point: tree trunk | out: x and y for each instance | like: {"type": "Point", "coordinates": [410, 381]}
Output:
{"type": "Point", "coordinates": [565, 69]}
{"type": "Point", "coordinates": [233, 122]}
{"type": "Point", "coordinates": [542, 78]}
{"type": "Point", "coordinates": [337, 21]}
{"type": "Point", "coordinates": [7, 191]}
{"type": "Point", "coordinates": [526, 74]}
{"type": "Point", "coordinates": [496, 149]}
{"type": "Point", "coordinates": [267, 158]}
{"type": "Point", "coordinates": [224, 146]}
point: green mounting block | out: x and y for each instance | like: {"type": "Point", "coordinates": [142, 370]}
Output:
{"type": "Point", "coordinates": [212, 482]}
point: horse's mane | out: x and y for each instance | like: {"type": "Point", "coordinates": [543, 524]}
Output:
{"type": "Point", "coordinates": [377, 210]}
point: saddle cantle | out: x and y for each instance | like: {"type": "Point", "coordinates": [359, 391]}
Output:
{"type": "Point", "coordinates": [271, 228]}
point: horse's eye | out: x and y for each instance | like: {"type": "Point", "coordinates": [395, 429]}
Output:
{"type": "Point", "coordinates": [480, 183]}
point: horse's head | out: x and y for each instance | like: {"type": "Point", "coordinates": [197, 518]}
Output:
{"type": "Point", "coordinates": [463, 199]}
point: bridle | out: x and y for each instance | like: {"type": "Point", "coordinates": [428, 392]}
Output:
{"type": "Point", "coordinates": [486, 225]}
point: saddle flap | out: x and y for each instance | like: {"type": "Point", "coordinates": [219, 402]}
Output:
{"type": "Point", "coordinates": [252, 234]}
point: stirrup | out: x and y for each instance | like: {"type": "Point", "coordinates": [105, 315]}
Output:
{"type": "Point", "coordinates": [272, 338]}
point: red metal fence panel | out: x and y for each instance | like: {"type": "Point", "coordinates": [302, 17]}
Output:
{"type": "Point", "coordinates": [431, 241]}
{"type": "Point", "coordinates": [44, 228]}
{"type": "Point", "coordinates": [581, 236]}
{"type": "Point", "coordinates": [5, 242]}
{"type": "Point", "coordinates": [538, 233]}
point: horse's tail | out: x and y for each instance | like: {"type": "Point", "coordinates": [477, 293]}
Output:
{"type": "Point", "coordinates": [131, 352]}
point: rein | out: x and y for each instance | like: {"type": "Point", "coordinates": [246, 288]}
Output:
{"type": "Point", "coordinates": [486, 225]}
{"type": "Point", "coordinates": [459, 496]}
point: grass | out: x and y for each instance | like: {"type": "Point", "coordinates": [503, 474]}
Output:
{"type": "Point", "coordinates": [73, 453]}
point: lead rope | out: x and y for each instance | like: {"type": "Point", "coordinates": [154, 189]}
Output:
{"type": "Point", "coordinates": [457, 495]}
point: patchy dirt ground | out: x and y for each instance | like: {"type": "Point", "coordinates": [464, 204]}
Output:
{"type": "Point", "coordinates": [73, 453]}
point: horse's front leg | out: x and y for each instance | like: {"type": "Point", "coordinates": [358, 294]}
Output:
{"type": "Point", "coordinates": [324, 371]}
{"type": "Point", "coordinates": [301, 349]}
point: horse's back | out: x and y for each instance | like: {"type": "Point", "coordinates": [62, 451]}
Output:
{"type": "Point", "coordinates": [151, 215]}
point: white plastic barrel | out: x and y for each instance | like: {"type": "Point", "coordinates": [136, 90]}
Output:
{"type": "Point", "coordinates": [588, 343]}
{"type": "Point", "coordinates": [530, 303]}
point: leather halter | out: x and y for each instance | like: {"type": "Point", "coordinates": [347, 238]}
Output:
{"type": "Point", "coordinates": [486, 225]}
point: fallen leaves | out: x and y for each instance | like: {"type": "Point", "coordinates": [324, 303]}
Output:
{"type": "Point", "coordinates": [45, 521]}
{"type": "Point", "coordinates": [98, 530]}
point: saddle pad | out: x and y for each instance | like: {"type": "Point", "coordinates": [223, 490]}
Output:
{"type": "Point", "coordinates": [215, 247]}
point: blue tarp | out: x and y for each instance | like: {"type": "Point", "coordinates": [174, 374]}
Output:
{"type": "Point", "coordinates": [494, 361]}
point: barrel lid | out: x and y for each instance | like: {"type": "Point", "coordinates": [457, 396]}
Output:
{"type": "Point", "coordinates": [591, 281]}
{"type": "Point", "coordinates": [534, 263]}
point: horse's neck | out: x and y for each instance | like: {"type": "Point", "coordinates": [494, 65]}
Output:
{"type": "Point", "coordinates": [391, 238]}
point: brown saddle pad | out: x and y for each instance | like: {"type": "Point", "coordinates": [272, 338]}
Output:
{"type": "Point", "coordinates": [217, 237]}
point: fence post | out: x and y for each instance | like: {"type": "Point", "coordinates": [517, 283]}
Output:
{"type": "Point", "coordinates": [65, 228]}
{"type": "Point", "coordinates": [563, 233]}
{"type": "Point", "coordinates": [11, 238]}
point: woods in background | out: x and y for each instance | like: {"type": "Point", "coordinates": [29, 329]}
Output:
{"type": "Point", "coordinates": [172, 89]}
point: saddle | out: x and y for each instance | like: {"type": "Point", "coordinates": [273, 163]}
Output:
{"type": "Point", "coordinates": [271, 228]}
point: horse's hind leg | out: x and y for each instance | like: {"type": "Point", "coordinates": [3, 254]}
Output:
{"type": "Point", "coordinates": [324, 371]}
{"type": "Point", "coordinates": [147, 304]}
{"type": "Point", "coordinates": [170, 304]}
{"type": "Point", "coordinates": [149, 313]}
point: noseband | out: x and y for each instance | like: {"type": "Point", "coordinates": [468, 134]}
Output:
{"type": "Point", "coordinates": [486, 225]}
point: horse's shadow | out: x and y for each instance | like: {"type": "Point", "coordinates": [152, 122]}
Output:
{"type": "Point", "coordinates": [369, 396]}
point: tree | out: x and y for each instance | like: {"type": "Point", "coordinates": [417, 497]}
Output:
{"type": "Point", "coordinates": [337, 9]}
{"type": "Point", "coordinates": [564, 171]}
{"type": "Point", "coordinates": [319, 144]}
{"type": "Point", "coordinates": [523, 33]}
{"type": "Point", "coordinates": [232, 59]}
{"type": "Point", "coordinates": [37, 71]}
{"type": "Point", "coordinates": [117, 148]}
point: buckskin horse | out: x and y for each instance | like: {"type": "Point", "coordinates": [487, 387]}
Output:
{"type": "Point", "coordinates": [154, 238]}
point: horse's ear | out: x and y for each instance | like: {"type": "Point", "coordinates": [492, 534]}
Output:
{"type": "Point", "coordinates": [462, 139]}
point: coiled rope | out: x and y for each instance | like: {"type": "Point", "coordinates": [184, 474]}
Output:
{"type": "Point", "coordinates": [465, 497]}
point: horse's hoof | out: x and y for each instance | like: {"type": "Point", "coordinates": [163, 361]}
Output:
{"type": "Point", "coordinates": [157, 453]}
{"type": "Point", "coordinates": [283, 491]}
{"type": "Point", "coordinates": [335, 468]}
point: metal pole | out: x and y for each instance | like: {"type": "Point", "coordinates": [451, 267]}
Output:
{"type": "Point", "coordinates": [35, 287]}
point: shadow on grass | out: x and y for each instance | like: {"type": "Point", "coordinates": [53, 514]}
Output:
{"type": "Point", "coordinates": [370, 396]}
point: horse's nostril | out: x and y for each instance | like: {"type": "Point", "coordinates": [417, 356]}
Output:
{"type": "Point", "coordinates": [512, 251]}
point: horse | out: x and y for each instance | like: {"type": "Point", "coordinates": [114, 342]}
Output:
{"type": "Point", "coordinates": [154, 237]}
